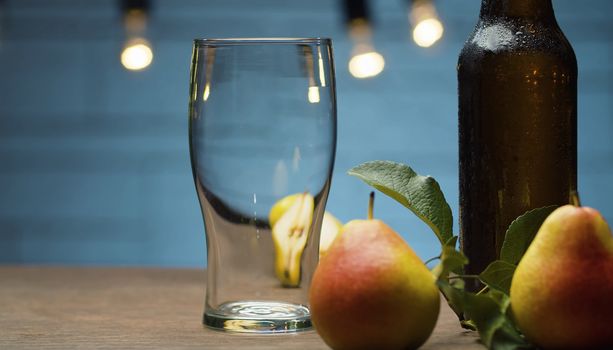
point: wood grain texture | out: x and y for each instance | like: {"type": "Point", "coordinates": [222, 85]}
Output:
{"type": "Point", "coordinates": [96, 308]}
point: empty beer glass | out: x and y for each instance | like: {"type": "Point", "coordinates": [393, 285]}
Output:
{"type": "Point", "coordinates": [262, 132]}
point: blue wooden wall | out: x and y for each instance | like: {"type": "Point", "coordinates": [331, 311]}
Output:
{"type": "Point", "coordinates": [94, 166]}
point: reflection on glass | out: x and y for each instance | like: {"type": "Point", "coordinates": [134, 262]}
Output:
{"type": "Point", "coordinates": [313, 94]}
{"type": "Point", "coordinates": [207, 92]}
{"type": "Point", "coordinates": [322, 73]}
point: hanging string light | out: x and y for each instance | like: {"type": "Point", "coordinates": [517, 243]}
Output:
{"type": "Point", "coordinates": [365, 61]}
{"type": "Point", "coordinates": [2, 20]}
{"type": "Point", "coordinates": [427, 26]}
{"type": "Point", "coordinates": [137, 53]}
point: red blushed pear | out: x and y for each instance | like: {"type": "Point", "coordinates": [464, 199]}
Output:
{"type": "Point", "coordinates": [562, 289]}
{"type": "Point", "coordinates": [371, 291]}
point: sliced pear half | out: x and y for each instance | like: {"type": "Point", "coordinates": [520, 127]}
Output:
{"type": "Point", "coordinates": [281, 207]}
{"type": "Point", "coordinates": [289, 235]}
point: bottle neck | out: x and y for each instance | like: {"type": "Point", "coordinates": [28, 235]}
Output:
{"type": "Point", "coordinates": [535, 9]}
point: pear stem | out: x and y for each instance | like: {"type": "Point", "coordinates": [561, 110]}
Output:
{"type": "Point", "coordinates": [371, 204]}
{"type": "Point", "coordinates": [574, 199]}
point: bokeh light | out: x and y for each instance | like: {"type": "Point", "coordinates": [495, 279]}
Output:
{"type": "Point", "coordinates": [137, 55]}
{"type": "Point", "coordinates": [366, 65]}
{"type": "Point", "coordinates": [427, 32]}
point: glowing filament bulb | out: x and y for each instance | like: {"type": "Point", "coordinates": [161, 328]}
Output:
{"type": "Point", "coordinates": [427, 32]}
{"type": "Point", "coordinates": [366, 65]}
{"type": "Point", "coordinates": [136, 55]}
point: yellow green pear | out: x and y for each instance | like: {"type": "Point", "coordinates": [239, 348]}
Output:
{"type": "Point", "coordinates": [562, 289]}
{"type": "Point", "coordinates": [289, 236]}
{"type": "Point", "coordinates": [371, 291]}
{"type": "Point", "coordinates": [330, 228]}
{"type": "Point", "coordinates": [281, 206]}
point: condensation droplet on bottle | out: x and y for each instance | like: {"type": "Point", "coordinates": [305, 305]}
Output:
{"type": "Point", "coordinates": [494, 37]}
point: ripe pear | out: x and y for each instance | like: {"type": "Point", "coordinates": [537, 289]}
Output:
{"type": "Point", "coordinates": [371, 291]}
{"type": "Point", "coordinates": [562, 289]}
{"type": "Point", "coordinates": [289, 236]}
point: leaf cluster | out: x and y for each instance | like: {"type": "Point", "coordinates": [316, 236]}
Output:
{"type": "Point", "coordinates": [487, 311]}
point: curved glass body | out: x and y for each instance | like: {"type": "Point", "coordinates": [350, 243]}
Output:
{"type": "Point", "coordinates": [262, 126]}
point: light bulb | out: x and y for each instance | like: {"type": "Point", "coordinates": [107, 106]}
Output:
{"type": "Point", "coordinates": [427, 32]}
{"type": "Point", "coordinates": [136, 55]}
{"type": "Point", "coordinates": [366, 65]}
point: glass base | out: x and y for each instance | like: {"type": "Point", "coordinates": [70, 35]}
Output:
{"type": "Point", "coordinates": [259, 317]}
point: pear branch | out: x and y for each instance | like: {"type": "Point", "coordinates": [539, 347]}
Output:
{"type": "Point", "coordinates": [463, 276]}
{"type": "Point", "coordinates": [483, 290]}
{"type": "Point", "coordinates": [432, 259]}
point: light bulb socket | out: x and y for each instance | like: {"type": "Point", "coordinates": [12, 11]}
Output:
{"type": "Point", "coordinates": [356, 11]}
{"type": "Point", "coordinates": [135, 15]}
{"type": "Point", "coordinates": [422, 10]}
{"type": "Point", "coordinates": [135, 5]}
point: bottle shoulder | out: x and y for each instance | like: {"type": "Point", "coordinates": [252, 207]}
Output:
{"type": "Point", "coordinates": [505, 36]}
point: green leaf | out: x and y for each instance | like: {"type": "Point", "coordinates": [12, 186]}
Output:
{"type": "Point", "coordinates": [452, 260]}
{"type": "Point", "coordinates": [489, 313]}
{"type": "Point", "coordinates": [454, 297]}
{"type": "Point", "coordinates": [486, 313]}
{"type": "Point", "coordinates": [452, 242]}
{"type": "Point", "coordinates": [507, 337]}
{"type": "Point", "coordinates": [468, 324]}
{"type": "Point", "coordinates": [453, 290]}
{"type": "Point", "coordinates": [498, 275]}
{"type": "Point", "coordinates": [520, 233]}
{"type": "Point", "coordinates": [421, 194]}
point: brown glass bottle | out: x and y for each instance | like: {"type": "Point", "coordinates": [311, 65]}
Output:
{"type": "Point", "coordinates": [517, 77]}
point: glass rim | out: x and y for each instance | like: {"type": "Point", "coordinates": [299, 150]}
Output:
{"type": "Point", "coordinates": [260, 41]}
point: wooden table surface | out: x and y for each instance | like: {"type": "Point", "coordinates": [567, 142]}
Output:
{"type": "Point", "coordinates": [129, 308]}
